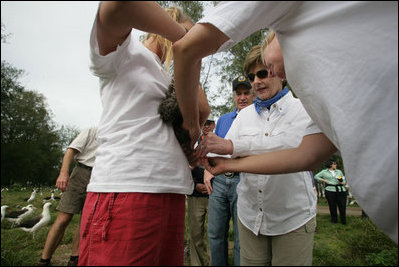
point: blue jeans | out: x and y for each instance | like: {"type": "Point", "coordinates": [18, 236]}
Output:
{"type": "Point", "coordinates": [223, 207]}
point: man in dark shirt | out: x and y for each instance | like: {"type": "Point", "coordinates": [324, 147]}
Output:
{"type": "Point", "coordinates": [197, 204]}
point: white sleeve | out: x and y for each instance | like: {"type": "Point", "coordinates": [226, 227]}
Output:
{"type": "Point", "coordinates": [239, 19]}
{"type": "Point", "coordinates": [106, 66]}
{"type": "Point", "coordinates": [311, 128]}
{"type": "Point", "coordinates": [79, 143]}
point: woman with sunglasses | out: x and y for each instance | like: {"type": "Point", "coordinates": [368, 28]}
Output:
{"type": "Point", "coordinates": [276, 213]}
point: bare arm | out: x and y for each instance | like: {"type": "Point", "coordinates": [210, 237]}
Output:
{"type": "Point", "coordinates": [313, 150]}
{"type": "Point", "coordinates": [117, 18]}
{"type": "Point", "coordinates": [215, 144]}
{"type": "Point", "coordinates": [203, 107]}
{"type": "Point", "coordinates": [63, 177]}
{"type": "Point", "coordinates": [202, 40]}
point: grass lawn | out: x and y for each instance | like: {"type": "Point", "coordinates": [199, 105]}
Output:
{"type": "Point", "coordinates": [357, 243]}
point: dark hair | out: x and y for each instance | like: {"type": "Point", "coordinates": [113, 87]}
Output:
{"type": "Point", "coordinates": [329, 162]}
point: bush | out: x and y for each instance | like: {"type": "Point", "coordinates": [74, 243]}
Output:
{"type": "Point", "coordinates": [386, 257]}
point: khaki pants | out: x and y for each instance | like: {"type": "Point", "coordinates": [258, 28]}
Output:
{"type": "Point", "coordinates": [293, 248]}
{"type": "Point", "coordinates": [197, 210]}
{"type": "Point", "coordinates": [74, 197]}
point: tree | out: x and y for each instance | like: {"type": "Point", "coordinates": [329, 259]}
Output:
{"type": "Point", "coordinates": [30, 145]}
{"type": "Point", "coordinates": [67, 133]}
{"type": "Point", "coordinates": [31, 148]}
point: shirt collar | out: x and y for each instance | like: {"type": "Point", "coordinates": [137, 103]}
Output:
{"type": "Point", "coordinates": [234, 113]}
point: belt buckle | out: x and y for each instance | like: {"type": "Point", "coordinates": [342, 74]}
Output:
{"type": "Point", "coordinates": [229, 174]}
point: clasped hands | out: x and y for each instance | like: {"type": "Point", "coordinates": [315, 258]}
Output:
{"type": "Point", "coordinates": [211, 143]}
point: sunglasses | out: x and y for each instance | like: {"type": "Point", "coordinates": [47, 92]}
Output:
{"type": "Point", "coordinates": [260, 74]}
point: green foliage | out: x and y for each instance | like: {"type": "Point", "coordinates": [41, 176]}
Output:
{"type": "Point", "coordinates": [350, 244]}
{"type": "Point", "coordinates": [30, 144]}
{"type": "Point", "coordinates": [386, 257]}
{"type": "Point", "coordinates": [67, 133]}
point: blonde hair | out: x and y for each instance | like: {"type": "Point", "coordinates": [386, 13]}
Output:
{"type": "Point", "coordinates": [253, 58]}
{"type": "Point", "coordinates": [270, 36]}
{"type": "Point", "coordinates": [164, 44]}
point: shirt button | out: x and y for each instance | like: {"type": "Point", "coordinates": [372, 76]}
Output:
{"type": "Point", "coordinates": [266, 134]}
{"type": "Point", "coordinates": [260, 191]}
{"type": "Point", "coordinates": [274, 105]}
{"type": "Point", "coordinates": [260, 209]}
{"type": "Point", "coordinates": [267, 119]}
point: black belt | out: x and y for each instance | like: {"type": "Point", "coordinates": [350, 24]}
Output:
{"type": "Point", "coordinates": [84, 166]}
{"type": "Point", "coordinates": [230, 174]}
{"type": "Point", "coordinates": [337, 186]}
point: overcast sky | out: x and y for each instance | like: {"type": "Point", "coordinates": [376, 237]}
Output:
{"type": "Point", "coordinates": [50, 41]}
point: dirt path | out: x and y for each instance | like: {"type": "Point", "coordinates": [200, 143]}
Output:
{"type": "Point", "coordinates": [61, 255]}
{"type": "Point", "coordinates": [351, 211]}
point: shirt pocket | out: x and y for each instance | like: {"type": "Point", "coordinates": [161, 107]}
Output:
{"type": "Point", "coordinates": [248, 132]}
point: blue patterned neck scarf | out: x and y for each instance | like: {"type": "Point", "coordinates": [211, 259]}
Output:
{"type": "Point", "coordinates": [259, 104]}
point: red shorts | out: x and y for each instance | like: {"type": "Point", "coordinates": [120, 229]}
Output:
{"type": "Point", "coordinates": [132, 229]}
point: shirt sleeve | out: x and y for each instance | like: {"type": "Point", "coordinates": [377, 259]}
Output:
{"type": "Point", "coordinates": [105, 66]}
{"type": "Point", "coordinates": [312, 128]}
{"type": "Point", "coordinates": [79, 143]}
{"type": "Point", "coordinates": [319, 176]}
{"type": "Point", "coordinates": [238, 19]}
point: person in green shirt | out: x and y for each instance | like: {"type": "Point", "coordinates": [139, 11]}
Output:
{"type": "Point", "coordinates": [335, 190]}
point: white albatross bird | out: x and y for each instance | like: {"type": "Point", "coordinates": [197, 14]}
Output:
{"type": "Point", "coordinates": [52, 197]}
{"type": "Point", "coordinates": [17, 216]}
{"type": "Point", "coordinates": [37, 222]}
{"type": "Point", "coordinates": [3, 212]}
{"type": "Point", "coordinates": [32, 196]}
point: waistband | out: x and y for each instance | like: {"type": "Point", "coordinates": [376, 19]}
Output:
{"type": "Point", "coordinates": [340, 186]}
{"type": "Point", "coordinates": [84, 166]}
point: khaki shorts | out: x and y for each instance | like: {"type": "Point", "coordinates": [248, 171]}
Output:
{"type": "Point", "coordinates": [74, 197]}
{"type": "Point", "coordinates": [293, 248]}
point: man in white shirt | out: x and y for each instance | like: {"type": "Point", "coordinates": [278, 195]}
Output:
{"type": "Point", "coordinates": [83, 149]}
{"type": "Point", "coordinates": [223, 191]}
{"type": "Point", "coordinates": [343, 49]}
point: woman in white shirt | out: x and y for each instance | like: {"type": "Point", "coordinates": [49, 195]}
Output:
{"type": "Point", "coordinates": [135, 207]}
{"type": "Point", "coordinates": [276, 212]}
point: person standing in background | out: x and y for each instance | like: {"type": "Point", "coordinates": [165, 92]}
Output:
{"type": "Point", "coordinates": [335, 191]}
{"type": "Point", "coordinates": [223, 188]}
{"type": "Point", "coordinates": [82, 149]}
{"type": "Point", "coordinates": [197, 206]}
